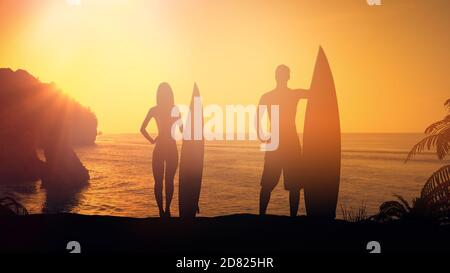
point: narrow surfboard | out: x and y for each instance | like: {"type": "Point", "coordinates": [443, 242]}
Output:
{"type": "Point", "coordinates": [321, 144]}
{"type": "Point", "coordinates": [191, 161]}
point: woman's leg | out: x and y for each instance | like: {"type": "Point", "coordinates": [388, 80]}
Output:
{"type": "Point", "coordinates": [171, 168]}
{"type": "Point", "coordinates": [158, 175]}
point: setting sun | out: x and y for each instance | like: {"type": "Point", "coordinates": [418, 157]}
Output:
{"type": "Point", "coordinates": [111, 55]}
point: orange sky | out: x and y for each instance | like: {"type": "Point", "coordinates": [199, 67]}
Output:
{"type": "Point", "coordinates": [390, 63]}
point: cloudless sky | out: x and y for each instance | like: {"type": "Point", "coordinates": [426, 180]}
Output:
{"type": "Point", "coordinates": [390, 62]}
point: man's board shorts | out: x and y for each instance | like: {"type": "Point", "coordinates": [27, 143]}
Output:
{"type": "Point", "coordinates": [286, 161]}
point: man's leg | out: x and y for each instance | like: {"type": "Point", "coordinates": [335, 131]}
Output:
{"type": "Point", "coordinates": [294, 199]}
{"type": "Point", "coordinates": [264, 198]}
{"type": "Point", "coordinates": [292, 176]}
{"type": "Point", "coordinates": [271, 175]}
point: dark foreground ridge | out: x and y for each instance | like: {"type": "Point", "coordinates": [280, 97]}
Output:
{"type": "Point", "coordinates": [233, 234]}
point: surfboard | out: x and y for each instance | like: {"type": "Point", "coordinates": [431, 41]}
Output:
{"type": "Point", "coordinates": [191, 162]}
{"type": "Point", "coordinates": [321, 158]}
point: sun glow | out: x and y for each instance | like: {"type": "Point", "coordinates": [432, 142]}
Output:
{"type": "Point", "coordinates": [112, 55]}
{"type": "Point", "coordinates": [73, 2]}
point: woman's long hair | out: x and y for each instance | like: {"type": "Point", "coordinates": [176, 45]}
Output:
{"type": "Point", "coordinates": [164, 96]}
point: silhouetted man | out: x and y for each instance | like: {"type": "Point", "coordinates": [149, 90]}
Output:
{"type": "Point", "coordinates": [287, 157]}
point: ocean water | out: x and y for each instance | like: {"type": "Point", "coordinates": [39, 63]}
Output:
{"type": "Point", "coordinates": [121, 184]}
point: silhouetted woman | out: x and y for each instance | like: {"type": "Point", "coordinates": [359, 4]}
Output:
{"type": "Point", "coordinates": [165, 154]}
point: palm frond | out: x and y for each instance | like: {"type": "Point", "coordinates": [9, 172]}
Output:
{"type": "Point", "coordinates": [392, 209]}
{"type": "Point", "coordinates": [436, 192]}
{"type": "Point", "coordinates": [440, 138]}
{"type": "Point", "coordinates": [403, 201]}
{"type": "Point", "coordinates": [438, 181]}
{"type": "Point", "coordinates": [438, 126]}
{"type": "Point", "coordinates": [426, 143]}
{"type": "Point", "coordinates": [443, 144]}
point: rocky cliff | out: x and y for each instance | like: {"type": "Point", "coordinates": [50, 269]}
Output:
{"type": "Point", "coordinates": [37, 115]}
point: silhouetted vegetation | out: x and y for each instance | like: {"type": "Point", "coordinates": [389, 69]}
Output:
{"type": "Point", "coordinates": [351, 216]}
{"type": "Point", "coordinates": [9, 206]}
{"type": "Point", "coordinates": [438, 136]}
{"type": "Point", "coordinates": [434, 201]}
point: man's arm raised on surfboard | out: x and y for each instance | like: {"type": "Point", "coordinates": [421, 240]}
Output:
{"type": "Point", "coordinates": [301, 93]}
{"type": "Point", "coordinates": [144, 125]}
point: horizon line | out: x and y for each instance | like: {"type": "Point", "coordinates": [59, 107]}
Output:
{"type": "Point", "coordinates": [137, 132]}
